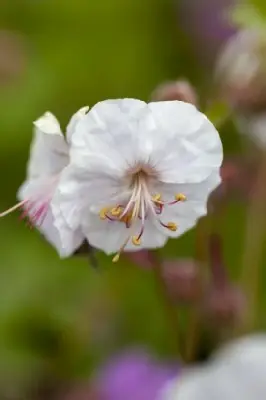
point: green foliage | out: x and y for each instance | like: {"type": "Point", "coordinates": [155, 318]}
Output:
{"type": "Point", "coordinates": [250, 14]}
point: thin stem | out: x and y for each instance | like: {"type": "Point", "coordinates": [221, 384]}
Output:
{"type": "Point", "coordinates": [253, 246]}
{"type": "Point", "coordinates": [217, 267]}
{"type": "Point", "coordinates": [92, 256]}
{"type": "Point", "coordinates": [170, 308]}
{"type": "Point", "coordinates": [194, 319]}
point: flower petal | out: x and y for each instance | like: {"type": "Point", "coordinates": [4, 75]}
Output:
{"type": "Point", "coordinates": [109, 132]}
{"type": "Point", "coordinates": [236, 372]}
{"type": "Point", "coordinates": [186, 213]}
{"type": "Point", "coordinates": [74, 121]}
{"type": "Point", "coordinates": [41, 191]}
{"type": "Point", "coordinates": [49, 151]}
{"type": "Point", "coordinates": [110, 236]}
{"type": "Point", "coordinates": [186, 146]}
{"type": "Point", "coordinates": [79, 189]}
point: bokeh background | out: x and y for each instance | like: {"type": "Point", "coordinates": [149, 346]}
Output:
{"type": "Point", "coordinates": [60, 320]}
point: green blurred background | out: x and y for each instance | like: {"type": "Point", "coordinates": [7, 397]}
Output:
{"type": "Point", "coordinates": [58, 319]}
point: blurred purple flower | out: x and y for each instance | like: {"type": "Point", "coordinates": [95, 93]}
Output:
{"type": "Point", "coordinates": [134, 376]}
{"type": "Point", "coordinates": [207, 23]}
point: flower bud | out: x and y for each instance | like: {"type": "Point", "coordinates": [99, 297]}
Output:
{"type": "Point", "coordinates": [141, 258]}
{"type": "Point", "coordinates": [224, 306]}
{"type": "Point", "coordinates": [241, 71]}
{"type": "Point", "coordinates": [12, 57]}
{"type": "Point", "coordinates": [175, 90]}
{"type": "Point", "coordinates": [182, 280]}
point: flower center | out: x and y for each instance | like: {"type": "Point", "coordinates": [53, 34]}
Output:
{"type": "Point", "coordinates": [140, 205]}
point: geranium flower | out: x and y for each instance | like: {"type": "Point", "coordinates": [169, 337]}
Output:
{"type": "Point", "coordinates": [139, 173]}
{"type": "Point", "coordinates": [49, 155]}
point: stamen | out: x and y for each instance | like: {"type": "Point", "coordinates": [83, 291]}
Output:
{"type": "Point", "coordinates": [158, 202]}
{"type": "Point", "coordinates": [136, 240]}
{"type": "Point", "coordinates": [26, 211]}
{"type": "Point", "coordinates": [117, 256]}
{"type": "Point", "coordinates": [139, 206]}
{"type": "Point", "coordinates": [116, 212]}
{"type": "Point", "coordinates": [157, 197]}
{"type": "Point", "coordinates": [15, 207]}
{"type": "Point", "coordinates": [109, 218]}
{"type": "Point", "coordinates": [38, 217]}
{"type": "Point", "coordinates": [180, 197]}
{"type": "Point", "coordinates": [170, 225]}
{"type": "Point", "coordinates": [103, 212]}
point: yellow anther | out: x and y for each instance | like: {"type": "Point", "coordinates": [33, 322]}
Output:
{"type": "Point", "coordinates": [116, 211]}
{"type": "Point", "coordinates": [127, 218]}
{"type": "Point", "coordinates": [157, 197]}
{"type": "Point", "coordinates": [180, 197]}
{"type": "Point", "coordinates": [136, 240]}
{"type": "Point", "coordinates": [103, 212]}
{"type": "Point", "coordinates": [116, 258]}
{"type": "Point", "coordinates": [172, 226]}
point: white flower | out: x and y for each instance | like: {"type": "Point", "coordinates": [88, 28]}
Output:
{"type": "Point", "coordinates": [49, 156]}
{"type": "Point", "coordinates": [139, 173]}
{"type": "Point", "coordinates": [237, 372]}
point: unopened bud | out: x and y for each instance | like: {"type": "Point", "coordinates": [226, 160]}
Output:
{"type": "Point", "coordinates": [241, 71]}
{"type": "Point", "coordinates": [182, 280]}
{"type": "Point", "coordinates": [141, 258]}
{"type": "Point", "coordinates": [175, 90]}
{"type": "Point", "coordinates": [225, 306]}
{"type": "Point", "coordinates": [12, 56]}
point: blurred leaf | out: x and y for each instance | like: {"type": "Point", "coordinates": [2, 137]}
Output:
{"type": "Point", "coordinates": [250, 15]}
{"type": "Point", "coordinates": [218, 112]}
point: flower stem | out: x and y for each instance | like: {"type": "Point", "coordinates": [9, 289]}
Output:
{"type": "Point", "coordinates": [194, 325]}
{"type": "Point", "coordinates": [253, 246]}
{"type": "Point", "coordinates": [170, 308]}
{"type": "Point", "coordinates": [218, 270]}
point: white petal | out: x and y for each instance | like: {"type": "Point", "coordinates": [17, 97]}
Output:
{"type": "Point", "coordinates": [186, 144]}
{"type": "Point", "coordinates": [74, 121]}
{"type": "Point", "coordinates": [110, 236]}
{"type": "Point", "coordinates": [70, 239]}
{"type": "Point", "coordinates": [186, 214]}
{"type": "Point", "coordinates": [49, 151]}
{"type": "Point", "coordinates": [48, 124]}
{"type": "Point", "coordinates": [110, 132]}
{"type": "Point", "coordinates": [79, 189]}
{"type": "Point", "coordinates": [194, 192]}
{"type": "Point", "coordinates": [65, 241]}
{"type": "Point", "coordinates": [237, 372]}
{"type": "Point", "coordinates": [41, 190]}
